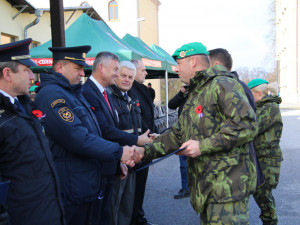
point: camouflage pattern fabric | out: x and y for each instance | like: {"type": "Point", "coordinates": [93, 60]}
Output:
{"type": "Point", "coordinates": [269, 154]}
{"type": "Point", "coordinates": [218, 115]}
{"type": "Point", "coordinates": [220, 214]}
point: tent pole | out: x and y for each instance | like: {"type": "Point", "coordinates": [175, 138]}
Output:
{"type": "Point", "coordinates": [167, 98]}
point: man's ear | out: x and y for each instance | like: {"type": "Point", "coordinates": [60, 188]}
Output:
{"type": "Point", "coordinates": [193, 60]}
{"type": "Point", "coordinates": [100, 67]}
{"type": "Point", "coordinates": [7, 72]}
{"type": "Point", "coordinates": [59, 67]}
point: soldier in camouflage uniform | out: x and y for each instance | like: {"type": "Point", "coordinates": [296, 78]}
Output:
{"type": "Point", "coordinates": [215, 125]}
{"type": "Point", "coordinates": [267, 147]}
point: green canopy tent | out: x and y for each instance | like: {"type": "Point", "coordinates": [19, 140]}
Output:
{"type": "Point", "coordinates": [162, 53]}
{"type": "Point", "coordinates": [87, 31]}
{"type": "Point", "coordinates": [166, 69]}
{"type": "Point", "coordinates": [156, 64]}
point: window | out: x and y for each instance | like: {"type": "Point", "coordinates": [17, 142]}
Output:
{"type": "Point", "coordinates": [113, 12]}
{"type": "Point", "coordinates": [7, 38]}
{"type": "Point", "coordinates": [34, 44]}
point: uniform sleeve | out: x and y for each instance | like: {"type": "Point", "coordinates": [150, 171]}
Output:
{"type": "Point", "coordinates": [239, 122]}
{"type": "Point", "coordinates": [267, 115]}
{"type": "Point", "coordinates": [65, 125]}
{"type": "Point", "coordinates": [166, 143]}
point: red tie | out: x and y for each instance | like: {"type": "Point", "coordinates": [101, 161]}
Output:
{"type": "Point", "coordinates": [106, 99]}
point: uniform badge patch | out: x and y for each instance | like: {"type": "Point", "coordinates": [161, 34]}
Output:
{"type": "Point", "coordinates": [57, 101]}
{"type": "Point", "coordinates": [66, 114]}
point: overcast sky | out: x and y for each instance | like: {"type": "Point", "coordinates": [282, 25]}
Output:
{"type": "Point", "coordinates": [242, 27]}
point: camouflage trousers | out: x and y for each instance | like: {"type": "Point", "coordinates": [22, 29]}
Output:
{"type": "Point", "coordinates": [263, 195]}
{"type": "Point", "coordinates": [231, 213]}
{"type": "Point", "coordinates": [266, 202]}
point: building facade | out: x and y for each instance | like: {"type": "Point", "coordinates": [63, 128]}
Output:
{"type": "Point", "coordinates": [287, 49]}
{"type": "Point", "coordinates": [19, 19]}
{"type": "Point", "coordinates": [138, 18]}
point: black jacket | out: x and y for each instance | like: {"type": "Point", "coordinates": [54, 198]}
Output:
{"type": "Point", "coordinates": [75, 138]}
{"type": "Point", "coordinates": [107, 121]}
{"type": "Point", "coordinates": [25, 159]}
{"type": "Point", "coordinates": [141, 93]}
{"type": "Point", "coordinates": [178, 101]}
{"type": "Point", "coordinates": [129, 112]}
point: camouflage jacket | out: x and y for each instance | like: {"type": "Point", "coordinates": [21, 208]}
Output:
{"type": "Point", "coordinates": [218, 115]}
{"type": "Point", "coordinates": [269, 127]}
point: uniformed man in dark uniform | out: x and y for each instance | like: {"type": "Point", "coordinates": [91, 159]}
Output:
{"type": "Point", "coordinates": [139, 91]}
{"type": "Point", "coordinates": [25, 158]}
{"type": "Point", "coordinates": [129, 119]}
{"type": "Point", "coordinates": [75, 137]}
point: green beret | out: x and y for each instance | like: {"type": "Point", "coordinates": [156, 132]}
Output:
{"type": "Point", "coordinates": [194, 48]}
{"type": "Point", "coordinates": [256, 82]}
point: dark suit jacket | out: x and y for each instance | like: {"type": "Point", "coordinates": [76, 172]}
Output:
{"type": "Point", "coordinates": [141, 93]}
{"type": "Point", "coordinates": [107, 120]}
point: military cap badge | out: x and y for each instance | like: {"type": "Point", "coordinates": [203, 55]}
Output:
{"type": "Point", "coordinates": [182, 54]}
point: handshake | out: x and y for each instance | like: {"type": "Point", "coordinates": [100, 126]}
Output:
{"type": "Point", "coordinates": [132, 155]}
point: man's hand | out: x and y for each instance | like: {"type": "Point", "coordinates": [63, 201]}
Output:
{"type": "Point", "coordinates": [138, 153]}
{"type": "Point", "coordinates": [192, 149]}
{"type": "Point", "coordinates": [124, 170]}
{"type": "Point", "coordinates": [127, 156]}
{"type": "Point", "coordinates": [143, 139]}
{"type": "Point", "coordinates": [154, 136]}
{"type": "Point", "coordinates": [182, 89]}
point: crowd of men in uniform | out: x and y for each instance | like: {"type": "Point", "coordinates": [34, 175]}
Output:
{"type": "Point", "coordinates": [70, 157]}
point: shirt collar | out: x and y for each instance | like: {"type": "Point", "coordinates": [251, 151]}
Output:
{"type": "Point", "coordinates": [99, 86]}
{"type": "Point", "coordinates": [12, 100]}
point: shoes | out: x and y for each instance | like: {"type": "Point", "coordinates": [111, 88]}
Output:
{"type": "Point", "coordinates": [182, 193]}
{"type": "Point", "coordinates": [147, 223]}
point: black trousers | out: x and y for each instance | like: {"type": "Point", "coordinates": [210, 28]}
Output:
{"type": "Point", "coordinates": [83, 214]}
{"type": "Point", "coordinates": [138, 216]}
{"type": "Point", "coordinates": [106, 201]}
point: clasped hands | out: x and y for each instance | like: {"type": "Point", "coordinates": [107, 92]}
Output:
{"type": "Point", "coordinates": [132, 155]}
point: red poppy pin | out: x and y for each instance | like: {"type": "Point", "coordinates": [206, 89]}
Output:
{"type": "Point", "coordinates": [199, 111]}
{"type": "Point", "coordinates": [138, 104]}
{"type": "Point", "coordinates": [38, 114]}
{"type": "Point", "coordinates": [93, 108]}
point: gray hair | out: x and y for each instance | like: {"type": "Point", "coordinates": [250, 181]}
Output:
{"type": "Point", "coordinates": [103, 58]}
{"type": "Point", "coordinates": [13, 65]}
{"type": "Point", "coordinates": [128, 65]}
{"type": "Point", "coordinates": [261, 88]}
{"type": "Point", "coordinates": [135, 62]}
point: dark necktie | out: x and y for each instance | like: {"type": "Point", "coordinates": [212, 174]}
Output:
{"type": "Point", "coordinates": [19, 106]}
{"type": "Point", "coordinates": [106, 99]}
{"type": "Point", "coordinates": [126, 96]}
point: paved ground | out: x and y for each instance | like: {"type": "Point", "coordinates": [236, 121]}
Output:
{"type": "Point", "coordinates": [164, 181]}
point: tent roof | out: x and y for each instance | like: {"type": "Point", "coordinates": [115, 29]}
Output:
{"type": "Point", "coordinates": [101, 38]}
{"type": "Point", "coordinates": [158, 64]}
{"type": "Point", "coordinates": [96, 33]}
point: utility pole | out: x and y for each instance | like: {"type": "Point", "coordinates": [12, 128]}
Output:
{"type": "Point", "coordinates": [57, 23]}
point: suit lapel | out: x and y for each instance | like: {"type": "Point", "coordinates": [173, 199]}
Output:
{"type": "Point", "coordinates": [103, 102]}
